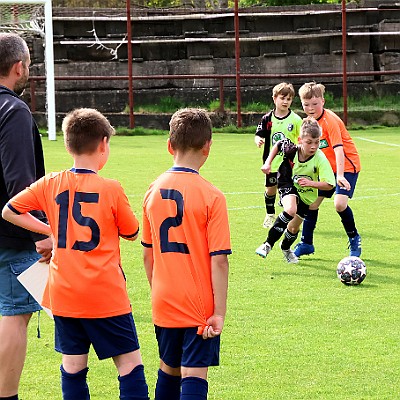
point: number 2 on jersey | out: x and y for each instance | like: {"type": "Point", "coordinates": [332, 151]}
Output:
{"type": "Point", "coordinates": [172, 222]}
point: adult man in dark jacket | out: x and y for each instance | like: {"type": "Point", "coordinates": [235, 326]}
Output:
{"type": "Point", "coordinates": [21, 163]}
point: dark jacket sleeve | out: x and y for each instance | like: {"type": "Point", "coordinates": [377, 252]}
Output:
{"type": "Point", "coordinates": [19, 150]}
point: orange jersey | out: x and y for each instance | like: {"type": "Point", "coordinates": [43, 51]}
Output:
{"type": "Point", "coordinates": [334, 134]}
{"type": "Point", "coordinates": [86, 213]}
{"type": "Point", "coordinates": [185, 221]}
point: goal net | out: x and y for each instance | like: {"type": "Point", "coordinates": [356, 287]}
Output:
{"type": "Point", "coordinates": [34, 17]}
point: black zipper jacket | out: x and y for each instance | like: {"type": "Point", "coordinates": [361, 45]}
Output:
{"type": "Point", "coordinates": [21, 163]}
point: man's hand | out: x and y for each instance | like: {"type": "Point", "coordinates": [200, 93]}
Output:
{"type": "Point", "coordinates": [214, 326]}
{"type": "Point", "coordinates": [44, 248]}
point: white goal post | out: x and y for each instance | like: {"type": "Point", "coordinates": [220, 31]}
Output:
{"type": "Point", "coordinates": [36, 24]}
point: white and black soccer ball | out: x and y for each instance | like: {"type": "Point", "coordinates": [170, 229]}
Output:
{"type": "Point", "coordinates": [351, 270]}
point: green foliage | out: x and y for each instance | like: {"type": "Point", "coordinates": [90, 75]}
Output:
{"type": "Point", "coordinates": [183, 3]}
{"type": "Point", "coordinates": [249, 3]}
{"type": "Point", "coordinates": [138, 131]}
{"type": "Point", "coordinates": [164, 105]}
{"type": "Point", "coordinates": [234, 129]}
{"type": "Point", "coordinates": [170, 104]}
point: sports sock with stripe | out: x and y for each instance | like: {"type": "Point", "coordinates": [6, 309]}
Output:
{"type": "Point", "coordinates": [278, 228]}
{"type": "Point", "coordinates": [270, 203]}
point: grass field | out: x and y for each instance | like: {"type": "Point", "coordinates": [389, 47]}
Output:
{"type": "Point", "coordinates": [292, 331]}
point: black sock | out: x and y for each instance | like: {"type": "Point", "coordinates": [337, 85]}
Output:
{"type": "Point", "coordinates": [278, 228]}
{"type": "Point", "coordinates": [270, 203]}
{"type": "Point", "coordinates": [288, 240]}
{"type": "Point", "coordinates": [348, 222]}
{"type": "Point", "coordinates": [15, 397]}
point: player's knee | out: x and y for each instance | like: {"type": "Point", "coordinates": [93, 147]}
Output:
{"type": "Point", "coordinates": [291, 211]}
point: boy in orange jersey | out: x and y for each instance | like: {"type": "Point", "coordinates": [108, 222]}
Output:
{"type": "Point", "coordinates": [86, 290]}
{"type": "Point", "coordinates": [186, 241]}
{"type": "Point", "coordinates": [342, 154]}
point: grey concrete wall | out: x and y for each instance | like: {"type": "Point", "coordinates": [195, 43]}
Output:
{"type": "Point", "coordinates": [274, 40]}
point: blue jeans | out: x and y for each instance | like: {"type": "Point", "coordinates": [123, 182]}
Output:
{"type": "Point", "coordinates": [14, 298]}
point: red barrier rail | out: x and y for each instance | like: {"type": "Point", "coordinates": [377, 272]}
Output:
{"type": "Point", "coordinates": [221, 78]}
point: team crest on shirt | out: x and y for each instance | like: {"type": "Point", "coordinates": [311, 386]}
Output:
{"type": "Point", "coordinates": [290, 127]}
{"type": "Point", "coordinates": [323, 144]}
{"type": "Point", "coordinates": [297, 177]}
{"type": "Point", "coordinates": [277, 136]}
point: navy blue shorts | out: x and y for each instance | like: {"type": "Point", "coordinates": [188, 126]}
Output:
{"type": "Point", "coordinates": [184, 347]}
{"type": "Point", "coordinates": [351, 178]}
{"type": "Point", "coordinates": [110, 336]}
{"type": "Point", "coordinates": [14, 298]}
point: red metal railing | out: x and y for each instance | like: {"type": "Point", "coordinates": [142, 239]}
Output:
{"type": "Point", "coordinates": [220, 78]}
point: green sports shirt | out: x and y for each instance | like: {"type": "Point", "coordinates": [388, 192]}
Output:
{"type": "Point", "coordinates": [316, 168]}
{"type": "Point", "coordinates": [273, 129]}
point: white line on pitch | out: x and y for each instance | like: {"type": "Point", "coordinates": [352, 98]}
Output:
{"type": "Point", "coordinates": [327, 200]}
{"type": "Point", "coordinates": [375, 141]}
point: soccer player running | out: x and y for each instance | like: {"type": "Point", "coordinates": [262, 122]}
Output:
{"type": "Point", "coordinates": [277, 124]}
{"type": "Point", "coordinates": [303, 171]}
{"type": "Point", "coordinates": [341, 152]}
{"type": "Point", "coordinates": [186, 242]}
{"type": "Point", "coordinates": [86, 290]}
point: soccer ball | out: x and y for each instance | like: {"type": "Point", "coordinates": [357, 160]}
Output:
{"type": "Point", "coordinates": [351, 270]}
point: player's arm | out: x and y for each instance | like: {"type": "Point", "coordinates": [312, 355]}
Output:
{"type": "Point", "coordinates": [219, 277]}
{"type": "Point", "coordinates": [339, 157]}
{"type": "Point", "coordinates": [258, 140]}
{"type": "Point", "coordinates": [304, 182]}
{"type": "Point", "coordinates": [148, 261]}
{"type": "Point", "coordinates": [263, 131]}
{"type": "Point", "coordinates": [25, 220]}
{"type": "Point", "coordinates": [326, 178]}
{"type": "Point", "coordinates": [266, 168]}
{"type": "Point", "coordinates": [127, 223]}
{"type": "Point", "coordinates": [130, 237]}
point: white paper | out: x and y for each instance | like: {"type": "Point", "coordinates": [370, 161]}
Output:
{"type": "Point", "coordinates": [34, 280]}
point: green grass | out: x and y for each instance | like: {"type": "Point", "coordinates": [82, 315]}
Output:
{"type": "Point", "coordinates": [292, 331]}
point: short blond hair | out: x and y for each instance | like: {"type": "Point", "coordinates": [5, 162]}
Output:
{"type": "Point", "coordinates": [84, 129]}
{"type": "Point", "coordinates": [312, 89]}
{"type": "Point", "coordinates": [284, 89]}
{"type": "Point", "coordinates": [310, 127]}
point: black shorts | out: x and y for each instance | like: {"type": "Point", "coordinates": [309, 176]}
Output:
{"type": "Point", "coordinates": [302, 208]}
{"type": "Point", "coordinates": [271, 179]}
